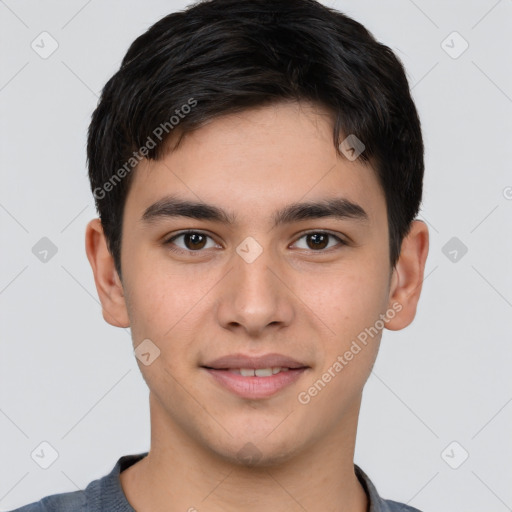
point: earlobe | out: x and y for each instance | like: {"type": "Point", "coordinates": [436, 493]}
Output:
{"type": "Point", "coordinates": [407, 279]}
{"type": "Point", "coordinates": [109, 286]}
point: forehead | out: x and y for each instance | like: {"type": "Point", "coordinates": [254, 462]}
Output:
{"type": "Point", "coordinates": [255, 161]}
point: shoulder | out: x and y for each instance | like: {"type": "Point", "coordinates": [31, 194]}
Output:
{"type": "Point", "coordinates": [376, 502]}
{"type": "Point", "coordinates": [66, 502]}
{"type": "Point", "coordinates": [104, 493]}
{"type": "Point", "coordinates": [395, 506]}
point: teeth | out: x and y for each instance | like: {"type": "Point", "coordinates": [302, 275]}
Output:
{"type": "Point", "coordinates": [260, 372]}
{"type": "Point", "coordinates": [263, 372]}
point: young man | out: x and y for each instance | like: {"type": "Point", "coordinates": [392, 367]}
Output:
{"type": "Point", "coordinates": [257, 167]}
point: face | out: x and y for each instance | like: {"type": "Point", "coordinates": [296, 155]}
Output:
{"type": "Point", "coordinates": [254, 278]}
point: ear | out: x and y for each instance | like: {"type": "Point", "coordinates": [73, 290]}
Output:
{"type": "Point", "coordinates": [407, 278]}
{"type": "Point", "coordinates": [108, 284]}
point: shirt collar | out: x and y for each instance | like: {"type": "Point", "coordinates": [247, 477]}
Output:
{"type": "Point", "coordinates": [115, 499]}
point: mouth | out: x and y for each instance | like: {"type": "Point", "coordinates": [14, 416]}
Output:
{"type": "Point", "coordinates": [255, 377]}
{"type": "Point", "coordinates": [256, 372]}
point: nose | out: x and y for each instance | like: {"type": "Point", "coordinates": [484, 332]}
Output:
{"type": "Point", "coordinates": [256, 296]}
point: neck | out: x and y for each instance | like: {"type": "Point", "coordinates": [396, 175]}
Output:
{"type": "Point", "coordinates": [181, 474]}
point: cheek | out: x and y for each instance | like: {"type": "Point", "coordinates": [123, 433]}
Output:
{"type": "Point", "coordinates": [158, 293]}
{"type": "Point", "coordinates": [348, 303]}
{"type": "Point", "coordinates": [346, 300]}
{"type": "Point", "coordinates": [167, 305]}
{"type": "Point", "coordinates": [149, 309]}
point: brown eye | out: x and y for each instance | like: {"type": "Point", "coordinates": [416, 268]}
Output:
{"type": "Point", "coordinates": [320, 240]}
{"type": "Point", "coordinates": [193, 241]}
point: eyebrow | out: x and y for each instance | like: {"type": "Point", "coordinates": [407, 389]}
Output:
{"type": "Point", "coordinates": [338, 208]}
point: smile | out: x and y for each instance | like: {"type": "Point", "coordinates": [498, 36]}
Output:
{"type": "Point", "coordinates": [255, 383]}
{"type": "Point", "coordinates": [260, 372]}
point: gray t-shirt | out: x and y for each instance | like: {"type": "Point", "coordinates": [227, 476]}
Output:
{"type": "Point", "coordinates": [106, 494]}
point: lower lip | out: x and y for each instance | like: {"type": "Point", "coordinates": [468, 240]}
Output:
{"type": "Point", "coordinates": [255, 387]}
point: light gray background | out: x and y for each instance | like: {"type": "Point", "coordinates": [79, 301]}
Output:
{"type": "Point", "coordinates": [68, 378]}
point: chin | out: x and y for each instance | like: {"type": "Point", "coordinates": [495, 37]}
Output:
{"type": "Point", "coordinates": [260, 452]}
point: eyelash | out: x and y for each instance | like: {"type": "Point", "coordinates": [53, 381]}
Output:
{"type": "Point", "coordinates": [169, 241]}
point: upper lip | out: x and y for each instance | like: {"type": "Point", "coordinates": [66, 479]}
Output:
{"type": "Point", "coordinates": [234, 361]}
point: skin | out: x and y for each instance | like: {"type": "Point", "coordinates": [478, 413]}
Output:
{"type": "Point", "coordinates": [295, 299]}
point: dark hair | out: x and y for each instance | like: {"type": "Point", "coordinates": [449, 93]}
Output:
{"type": "Point", "coordinates": [223, 56]}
